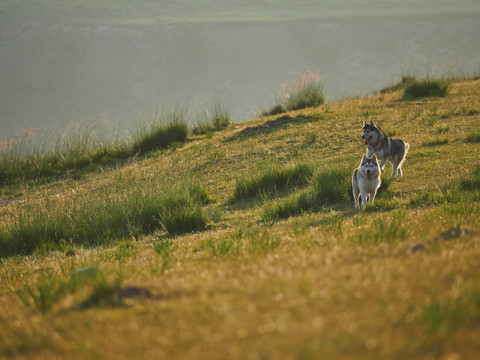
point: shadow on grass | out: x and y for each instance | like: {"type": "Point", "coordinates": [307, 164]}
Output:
{"type": "Point", "coordinates": [269, 126]}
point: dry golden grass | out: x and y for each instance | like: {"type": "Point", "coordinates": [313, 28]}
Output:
{"type": "Point", "coordinates": [329, 284]}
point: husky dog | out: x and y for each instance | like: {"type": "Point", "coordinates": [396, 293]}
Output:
{"type": "Point", "coordinates": [386, 148]}
{"type": "Point", "coordinates": [366, 180]}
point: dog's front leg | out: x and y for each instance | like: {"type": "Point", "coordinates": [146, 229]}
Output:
{"type": "Point", "coordinates": [364, 198]}
{"type": "Point", "coordinates": [382, 164]}
{"type": "Point", "coordinates": [356, 197]}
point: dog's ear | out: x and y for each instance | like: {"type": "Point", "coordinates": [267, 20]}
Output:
{"type": "Point", "coordinates": [364, 157]}
{"type": "Point", "coordinates": [364, 123]}
{"type": "Point", "coordinates": [371, 123]}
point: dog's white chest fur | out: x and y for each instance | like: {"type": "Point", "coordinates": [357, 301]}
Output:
{"type": "Point", "coordinates": [368, 182]}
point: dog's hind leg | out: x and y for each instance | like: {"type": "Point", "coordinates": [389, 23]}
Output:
{"type": "Point", "coordinates": [395, 167]}
{"type": "Point", "coordinates": [382, 164]}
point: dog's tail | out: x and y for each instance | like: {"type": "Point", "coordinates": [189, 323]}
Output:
{"type": "Point", "coordinates": [407, 146]}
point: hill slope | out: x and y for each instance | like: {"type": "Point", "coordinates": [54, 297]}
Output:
{"type": "Point", "coordinates": [398, 280]}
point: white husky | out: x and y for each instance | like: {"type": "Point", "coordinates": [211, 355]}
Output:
{"type": "Point", "coordinates": [366, 180]}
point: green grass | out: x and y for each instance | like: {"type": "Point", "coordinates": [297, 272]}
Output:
{"type": "Point", "coordinates": [272, 181]}
{"type": "Point", "coordinates": [165, 249]}
{"type": "Point", "coordinates": [162, 133]}
{"type": "Point", "coordinates": [329, 186]}
{"type": "Point", "coordinates": [389, 229]}
{"type": "Point", "coordinates": [443, 315]}
{"type": "Point", "coordinates": [27, 159]}
{"type": "Point", "coordinates": [44, 295]}
{"type": "Point", "coordinates": [427, 87]}
{"type": "Point", "coordinates": [438, 141]}
{"type": "Point", "coordinates": [108, 217]}
{"type": "Point", "coordinates": [296, 266]}
{"type": "Point", "coordinates": [221, 246]}
{"type": "Point", "coordinates": [216, 118]}
{"type": "Point", "coordinates": [405, 81]}
{"type": "Point", "coordinates": [303, 92]}
{"type": "Point", "coordinates": [472, 182]}
{"type": "Point", "coordinates": [473, 136]}
{"type": "Point", "coordinates": [48, 292]}
{"type": "Point", "coordinates": [78, 152]}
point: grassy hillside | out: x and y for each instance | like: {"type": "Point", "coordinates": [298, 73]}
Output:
{"type": "Point", "coordinates": [290, 271]}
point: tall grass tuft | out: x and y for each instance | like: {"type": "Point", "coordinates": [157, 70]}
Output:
{"type": "Point", "coordinates": [426, 87]}
{"type": "Point", "coordinates": [164, 131]}
{"type": "Point", "coordinates": [101, 219]}
{"type": "Point", "coordinates": [330, 186]}
{"type": "Point", "coordinates": [446, 314]}
{"type": "Point", "coordinates": [303, 92]}
{"type": "Point", "coordinates": [273, 180]}
{"type": "Point", "coordinates": [214, 119]}
{"type": "Point", "coordinates": [179, 213]}
{"type": "Point", "coordinates": [385, 230]}
{"type": "Point", "coordinates": [44, 295]}
{"type": "Point", "coordinates": [275, 210]}
{"type": "Point", "coordinates": [472, 182]}
{"type": "Point", "coordinates": [27, 158]}
{"type": "Point", "coordinates": [473, 136]}
{"type": "Point", "coordinates": [405, 81]}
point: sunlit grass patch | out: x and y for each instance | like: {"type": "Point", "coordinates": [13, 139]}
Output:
{"type": "Point", "coordinates": [276, 209]}
{"type": "Point", "coordinates": [444, 314]}
{"type": "Point", "coordinates": [473, 136]}
{"type": "Point", "coordinates": [104, 290]}
{"type": "Point", "coordinates": [427, 198]}
{"type": "Point", "coordinates": [216, 118]}
{"type": "Point", "coordinates": [404, 81]}
{"type": "Point", "coordinates": [180, 213]}
{"type": "Point", "coordinates": [82, 149]}
{"type": "Point", "coordinates": [272, 180]}
{"type": "Point", "coordinates": [47, 292]}
{"type": "Point", "coordinates": [329, 186]}
{"type": "Point", "coordinates": [438, 141]}
{"type": "Point", "coordinates": [165, 248]}
{"type": "Point", "coordinates": [262, 243]}
{"type": "Point", "coordinates": [43, 295]}
{"type": "Point", "coordinates": [161, 133]}
{"type": "Point", "coordinates": [472, 181]}
{"type": "Point", "coordinates": [385, 229]}
{"type": "Point", "coordinates": [442, 129]}
{"type": "Point", "coordinates": [301, 93]}
{"type": "Point", "coordinates": [466, 188]}
{"type": "Point", "coordinates": [319, 284]}
{"type": "Point", "coordinates": [27, 158]}
{"type": "Point", "coordinates": [426, 87]}
{"type": "Point", "coordinates": [108, 217]}
{"type": "Point", "coordinates": [218, 247]}
{"type": "Point", "coordinates": [126, 249]}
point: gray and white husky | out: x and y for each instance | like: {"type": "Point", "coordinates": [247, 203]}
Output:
{"type": "Point", "coordinates": [366, 180]}
{"type": "Point", "coordinates": [386, 148]}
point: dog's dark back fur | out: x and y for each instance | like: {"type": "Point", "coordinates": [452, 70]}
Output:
{"type": "Point", "coordinates": [386, 148]}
